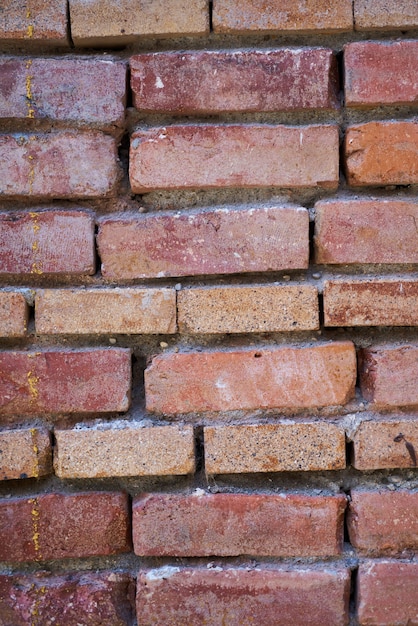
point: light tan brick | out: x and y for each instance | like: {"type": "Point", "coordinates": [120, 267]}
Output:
{"type": "Point", "coordinates": [34, 22]}
{"type": "Point", "coordinates": [385, 14]}
{"type": "Point", "coordinates": [14, 313]}
{"type": "Point", "coordinates": [382, 444]}
{"type": "Point", "coordinates": [25, 453]}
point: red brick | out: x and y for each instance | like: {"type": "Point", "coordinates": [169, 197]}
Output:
{"type": "Point", "coordinates": [366, 231]}
{"type": "Point", "coordinates": [95, 311]}
{"type": "Point", "coordinates": [233, 524]}
{"type": "Point", "coordinates": [14, 313]}
{"type": "Point", "coordinates": [43, 242]}
{"type": "Point", "coordinates": [58, 526]}
{"type": "Point", "coordinates": [382, 444]}
{"type": "Point", "coordinates": [65, 381]}
{"type": "Point", "coordinates": [389, 375]}
{"type": "Point", "coordinates": [371, 302]}
{"type": "Point", "coordinates": [382, 153]}
{"type": "Point", "coordinates": [385, 14]}
{"type": "Point", "coordinates": [62, 164]}
{"type": "Point", "coordinates": [381, 73]}
{"type": "Point", "coordinates": [233, 155]}
{"type": "Point", "coordinates": [25, 453]}
{"type": "Point", "coordinates": [282, 15]}
{"type": "Point", "coordinates": [383, 522]}
{"type": "Point", "coordinates": [238, 80]}
{"type": "Point", "coordinates": [282, 447]}
{"type": "Point", "coordinates": [387, 593]}
{"type": "Point", "coordinates": [99, 599]}
{"type": "Point", "coordinates": [34, 22]}
{"type": "Point", "coordinates": [90, 91]}
{"type": "Point", "coordinates": [220, 241]}
{"type": "Point", "coordinates": [281, 377]}
{"type": "Point", "coordinates": [276, 596]}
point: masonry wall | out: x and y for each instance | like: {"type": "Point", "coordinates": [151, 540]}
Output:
{"type": "Point", "coordinates": [208, 312]}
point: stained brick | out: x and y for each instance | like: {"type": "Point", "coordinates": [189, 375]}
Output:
{"type": "Point", "coordinates": [281, 377]}
{"type": "Point", "coordinates": [14, 313]}
{"type": "Point", "coordinates": [238, 80]}
{"type": "Point", "coordinates": [25, 453]}
{"type": "Point", "coordinates": [34, 22]}
{"type": "Point", "coordinates": [233, 155]}
{"type": "Point", "coordinates": [58, 526]}
{"type": "Point", "coordinates": [385, 14]}
{"type": "Point", "coordinates": [284, 447]}
{"type": "Point", "coordinates": [219, 241]}
{"type": "Point", "coordinates": [382, 444]}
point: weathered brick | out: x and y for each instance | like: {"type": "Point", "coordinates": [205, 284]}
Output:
{"type": "Point", "coordinates": [58, 526]}
{"type": "Point", "coordinates": [382, 444]}
{"type": "Point", "coordinates": [25, 453]}
{"type": "Point", "coordinates": [383, 522]}
{"type": "Point", "coordinates": [366, 231]}
{"type": "Point", "coordinates": [389, 375]}
{"type": "Point", "coordinates": [34, 22]}
{"type": "Point", "coordinates": [387, 593]}
{"type": "Point", "coordinates": [280, 377]}
{"type": "Point", "coordinates": [233, 155]}
{"type": "Point", "coordinates": [385, 14]}
{"type": "Point", "coordinates": [238, 80]}
{"type": "Point", "coordinates": [62, 164]}
{"type": "Point", "coordinates": [125, 450]}
{"type": "Point", "coordinates": [381, 153]}
{"type": "Point", "coordinates": [43, 242]}
{"type": "Point", "coordinates": [282, 15]}
{"type": "Point", "coordinates": [381, 73]}
{"type": "Point", "coordinates": [256, 308]}
{"type": "Point", "coordinates": [100, 23]}
{"type": "Point", "coordinates": [284, 447]}
{"type": "Point", "coordinates": [61, 89]}
{"type": "Point", "coordinates": [95, 311]}
{"type": "Point", "coordinates": [220, 241]}
{"type": "Point", "coordinates": [14, 313]}
{"type": "Point", "coordinates": [231, 595]}
{"type": "Point", "coordinates": [371, 302]}
{"type": "Point", "coordinates": [235, 524]}
{"type": "Point", "coordinates": [65, 381]}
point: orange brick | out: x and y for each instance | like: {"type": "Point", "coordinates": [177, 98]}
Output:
{"type": "Point", "coordinates": [385, 14]}
{"type": "Point", "coordinates": [34, 22]}
{"type": "Point", "coordinates": [382, 444]}
{"type": "Point", "coordinates": [95, 311]}
{"type": "Point", "coordinates": [284, 447]}
{"type": "Point", "coordinates": [25, 453]}
{"type": "Point", "coordinates": [280, 377]}
{"type": "Point", "coordinates": [232, 155]}
{"type": "Point", "coordinates": [14, 314]}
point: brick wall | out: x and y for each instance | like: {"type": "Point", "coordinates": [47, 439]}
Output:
{"type": "Point", "coordinates": [208, 312]}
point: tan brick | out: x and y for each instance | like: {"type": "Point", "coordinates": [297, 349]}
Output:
{"type": "Point", "coordinates": [283, 447]}
{"type": "Point", "coordinates": [280, 377]}
{"type": "Point", "coordinates": [25, 453]}
{"type": "Point", "coordinates": [124, 450]}
{"type": "Point", "coordinates": [385, 14]}
{"type": "Point", "coordinates": [382, 444]}
{"type": "Point", "coordinates": [382, 153]}
{"type": "Point", "coordinates": [282, 15]}
{"type": "Point", "coordinates": [95, 311]}
{"type": "Point", "coordinates": [256, 308]}
{"type": "Point", "coordinates": [14, 313]}
{"type": "Point", "coordinates": [100, 23]}
{"type": "Point", "coordinates": [233, 155]}
{"type": "Point", "coordinates": [220, 241]}
{"type": "Point", "coordinates": [34, 22]}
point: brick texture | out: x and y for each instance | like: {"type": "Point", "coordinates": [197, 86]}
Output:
{"type": "Point", "coordinates": [37, 21]}
{"type": "Point", "coordinates": [25, 453]}
{"type": "Point", "coordinates": [14, 313]}
{"type": "Point", "coordinates": [385, 14]}
{"type": "Point", "coordinates": [233, 155]}
{"type": "Point", "coordinates": [382, 444]}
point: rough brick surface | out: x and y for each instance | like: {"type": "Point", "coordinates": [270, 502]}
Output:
{"type": "Point", "coordinates": [127, 451]}
{"type": "Point", "coordinates": [25, 453]}
{"type": "Point", "coordinates": [37, 21]}
{"type": "Point", "coordinates": [57, 526]}
{"type": "Point", "coordinates": [43, 242]}
{"type": "Point", "coordinates": [385, 14]}
{"type": "Point", "coordinates": [284, 447]}
{"type": "Point", "coordinates": [381, 73]}
{"type": "Point", "coordinates": [235, 596]}
{"type": "Point", "coordinates": [250, 379]}
{"type": "Point", "coordinates": [381, 444]}
{"type": "Point", "coordinates": [279, 15]}
{"type": "Point", "coordinates": [383, 522]}
{"type": "Point", "coordinates": [221, 241]}
{"type": "Point", "coordinates": [95, 311]}
{"type": "Point", "coordinates": [14, 313]}
{"type": "Point", "coordinates": [366, 231]}
{"type": "Point", "coordinates": [233, 155]}
{"type": "Point", "coordinates": [387, 593]}
{"type": "Point", "coordinates": [381, 153]}
{"type": "Point", "coordinates": [258, 308]}
{"type": "Point", "coordinates": [65, 381]}
{"type": "Point", "coordinates": [389, 375]}
{"type": "Point", "coordinates": [61, 89]}
{"type": "Point", "coordinates": [66, 164]}
{"type": "Point", "coordinates": [100, 23]}
{"type": "Point", "coordinates": [240, 80]}
{"type": "Point", "coordinates": [234, 524]}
